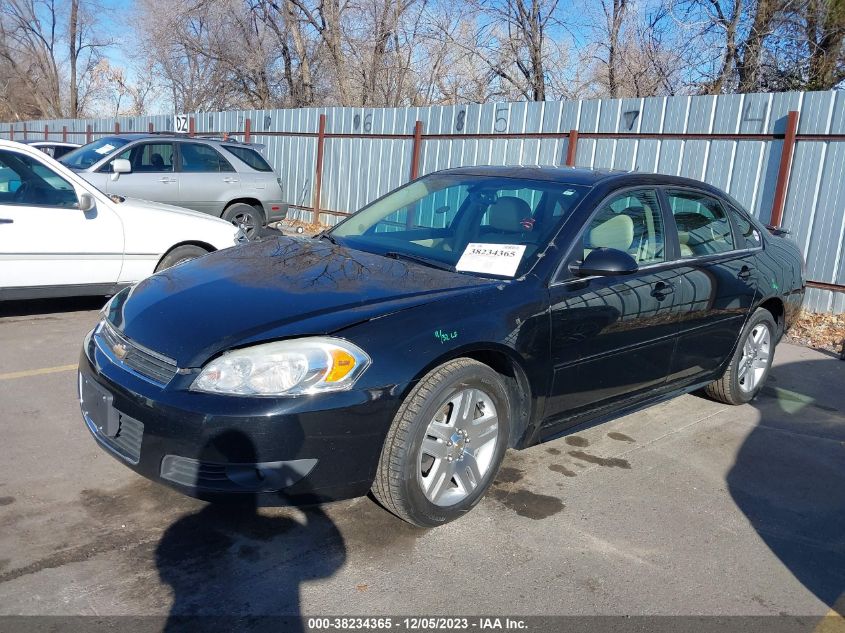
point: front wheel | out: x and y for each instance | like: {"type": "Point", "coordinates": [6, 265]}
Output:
{"type": "Point", "coordinates": [180, 255]}
{"type": "Point", "coordinates": [750, 365]}
{"type": "Point", "coordinates": [445, 444]}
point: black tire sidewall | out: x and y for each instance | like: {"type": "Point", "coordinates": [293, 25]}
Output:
{"type": "Point", "coordinates": [242, 207]}
{"type": "Point", "coordinates": [180, 255]}
{"type": "Point", "coordinates": [760, 316]}
{"type": "Point", "coordinates": [423, 511]}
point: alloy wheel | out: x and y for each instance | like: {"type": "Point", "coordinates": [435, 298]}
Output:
{"type": "Point", "coordinates": [247, 223]}
{"type": "Point", "coordinates": [754, 362]}
{"type": "Point", "coordinates": [459, 446]}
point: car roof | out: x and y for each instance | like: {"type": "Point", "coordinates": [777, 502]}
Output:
{"type": "Point", "coordinates": [43, 142]}
{"type": "Point", "coordinates": [172, 136]}
{"type": "Point", "coordinates": [609, 178]}
{"type": "Point", "coordinates": [569, 175]}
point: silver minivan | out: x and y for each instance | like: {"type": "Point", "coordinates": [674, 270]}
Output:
{"type": "Point", "coordinates": [224, 178]}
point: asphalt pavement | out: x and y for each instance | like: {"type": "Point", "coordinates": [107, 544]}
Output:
{"type": "Point", "coordinates": [690, 507]}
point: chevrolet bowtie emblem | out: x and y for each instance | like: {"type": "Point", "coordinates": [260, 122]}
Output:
{"type": "Point", "coordinates": [120, 350]}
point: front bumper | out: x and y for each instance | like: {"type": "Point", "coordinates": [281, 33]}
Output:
{"type": "Point", "coordinates": [275, 211]}
{"type": "Point", "coordinates": [282, 451]}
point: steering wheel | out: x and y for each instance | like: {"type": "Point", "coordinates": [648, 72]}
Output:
{"type": "Point", "coordinates": [22, 192]}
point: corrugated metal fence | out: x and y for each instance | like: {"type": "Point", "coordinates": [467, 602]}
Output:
{"type": "Point", "coordinates": [334, 160]}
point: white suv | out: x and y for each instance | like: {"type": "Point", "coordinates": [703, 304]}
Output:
{"type": "Point", "coordinates": [221, 177]}
{"type": "Point", "coordinates": [60, 236]}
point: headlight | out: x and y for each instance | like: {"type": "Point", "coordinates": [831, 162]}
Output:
{"type": "Point", "coordinates": [285, 368]}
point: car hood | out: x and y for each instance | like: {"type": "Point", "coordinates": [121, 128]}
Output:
{"type": "Point", "coordinates": [149, 205]}
{"type": "Point", "coordinates": [278, 288]}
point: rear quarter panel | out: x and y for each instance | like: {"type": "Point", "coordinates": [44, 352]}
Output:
{"type": "Point", "coordinates": [780, 273]}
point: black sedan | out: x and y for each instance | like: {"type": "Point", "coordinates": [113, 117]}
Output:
{"type": "Point", "coordinates": [404, 351]}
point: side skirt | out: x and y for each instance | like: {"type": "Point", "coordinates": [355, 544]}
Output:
{"type": "Point", "coordinates": [589, 420]}
{"type": "Point", "coordinates": [51, 292]}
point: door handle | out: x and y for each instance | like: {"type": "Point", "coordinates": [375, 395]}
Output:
{"type": "Point", "coordinates": [6, 221]}
{"type": "Point", "coordinates": [230, 180]}
{"type": "Point", "coordinates": [661, 289]}
{"type": "Point", "coordinates": [165, 179]}
{"type": "Point", "coordinates": [744, 273]}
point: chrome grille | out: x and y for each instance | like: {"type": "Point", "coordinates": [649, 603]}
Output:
{"type": "Point", "coordinates": [142, 361]}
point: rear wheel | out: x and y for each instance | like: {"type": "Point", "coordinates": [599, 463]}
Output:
{"type": "Point", "coordinates": [246, 216]}
{"type": "Point", "coordinates": [180, 255]}
{"type": "Point", "coordinates": [445, 444]}
{"type": "Point", "coordinates": [751, 362]}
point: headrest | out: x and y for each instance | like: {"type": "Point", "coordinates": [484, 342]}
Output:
{"type": "Point", "coordinates": [507, 213]}
{"type": "Point", "coordinates": [616, 232]}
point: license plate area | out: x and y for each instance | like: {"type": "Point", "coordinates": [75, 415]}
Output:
{"type": "Point", "coordinates": [98, 408]}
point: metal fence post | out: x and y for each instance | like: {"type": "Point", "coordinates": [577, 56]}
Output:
{"type": "Point", "coordinates": [24, 130]}
{"type": "Point", "coordinates": [46, 132]}
{"type": "Point", "coordinates": [318, 174]}
{"type": "Point", "coordinates": [411, 213]}
{"type": "Point", "coordinates": [247, 130]}
{"type": "Point", "coordinates": [784, 169]}
{"type": "Point", "coordinates": [417, 149]}
{"type": "Point", "coordinates": [191, 126]}
{"type": "Point", "coordinates": [11, 132]}
{"type": "Point", "coordinates": [571, 148]}
{"type": "Point", "coordinates": [89, 133]}
{"type": "Point", "coordinates": [150, 127]}
{"type": "Point", "coordinates": [64, 133]}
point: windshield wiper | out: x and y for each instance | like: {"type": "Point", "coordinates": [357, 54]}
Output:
{"type": "Point", "coordinates": [425, 261]}
{"type": "Point", "coordinates": [323, 235]}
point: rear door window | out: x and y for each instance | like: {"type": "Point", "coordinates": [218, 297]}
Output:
{"type": "Point", "coordinates": [196, 157]}
{"type": "Point", "coordinates": [703, 225]}
{"type": "Point", "coordinates": [747, 234]}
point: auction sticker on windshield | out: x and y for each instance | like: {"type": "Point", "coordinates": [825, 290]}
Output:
{"type": "Point", "coordinates": [491, 259]}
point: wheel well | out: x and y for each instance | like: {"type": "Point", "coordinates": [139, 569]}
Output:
{"type": "Point", "coordinates": [208, 248]}
{"type": "Point", "coordinates": [517, 381]}
{"type": "Point", "coordinates": [775, 306]}
{"type": "Point", "coordinates": [253, 202]}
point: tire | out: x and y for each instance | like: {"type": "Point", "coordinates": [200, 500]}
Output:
{"type": "Point", "coordinates": [754, 354]}
{"type": "Point", "coordinates": [250, 218]}
{"type": "Point", "coordinates": [180, 255]}
{"type": "Point", "coordinates": [410, 481]}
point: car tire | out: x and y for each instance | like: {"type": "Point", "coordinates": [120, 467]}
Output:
{"type": "Point", "coordinates": [246, 216]}
{"type": "Point", "coordinates": [751, 362]}
{"type": "Point", "coordinates": [180, 255]}
{"type": "Point", "coordinates": [459, 411]}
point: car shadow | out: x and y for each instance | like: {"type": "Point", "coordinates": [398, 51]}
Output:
{"type": "Point", "coordinates": [34, 307]}
{"type": "Point", "coordinates": [789, 474]}
{"type": "Point", "coordinates": [231, 565]}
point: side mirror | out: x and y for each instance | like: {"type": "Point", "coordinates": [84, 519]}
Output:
{"type": "Point", "coordinates": [604, 262]}
{"type": "Point", "coordinates": [86, 201]}
{"type": "Point", "coordinates": [120, 166]}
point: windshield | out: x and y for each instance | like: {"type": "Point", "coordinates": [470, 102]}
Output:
{"type": "Point", "coordinates": [85, 156]}
{"type": "Point", "coordinates": [480, 224]}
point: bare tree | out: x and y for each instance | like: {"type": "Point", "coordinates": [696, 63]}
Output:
{"type": "Point", "coordinates": [51, 53]}
{"type": "Point", "coordinates": [825, 36]}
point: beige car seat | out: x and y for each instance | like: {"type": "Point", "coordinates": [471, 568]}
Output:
{"type": "Point", "coordinates": [683, 238]}
{"type": "Point", "coordinates": [615, 232]}
{"type": "Point", "coordinates": [505, 216]}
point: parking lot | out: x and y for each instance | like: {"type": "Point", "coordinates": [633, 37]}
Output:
{"type": "Point", "coordinates": [689, 507]}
